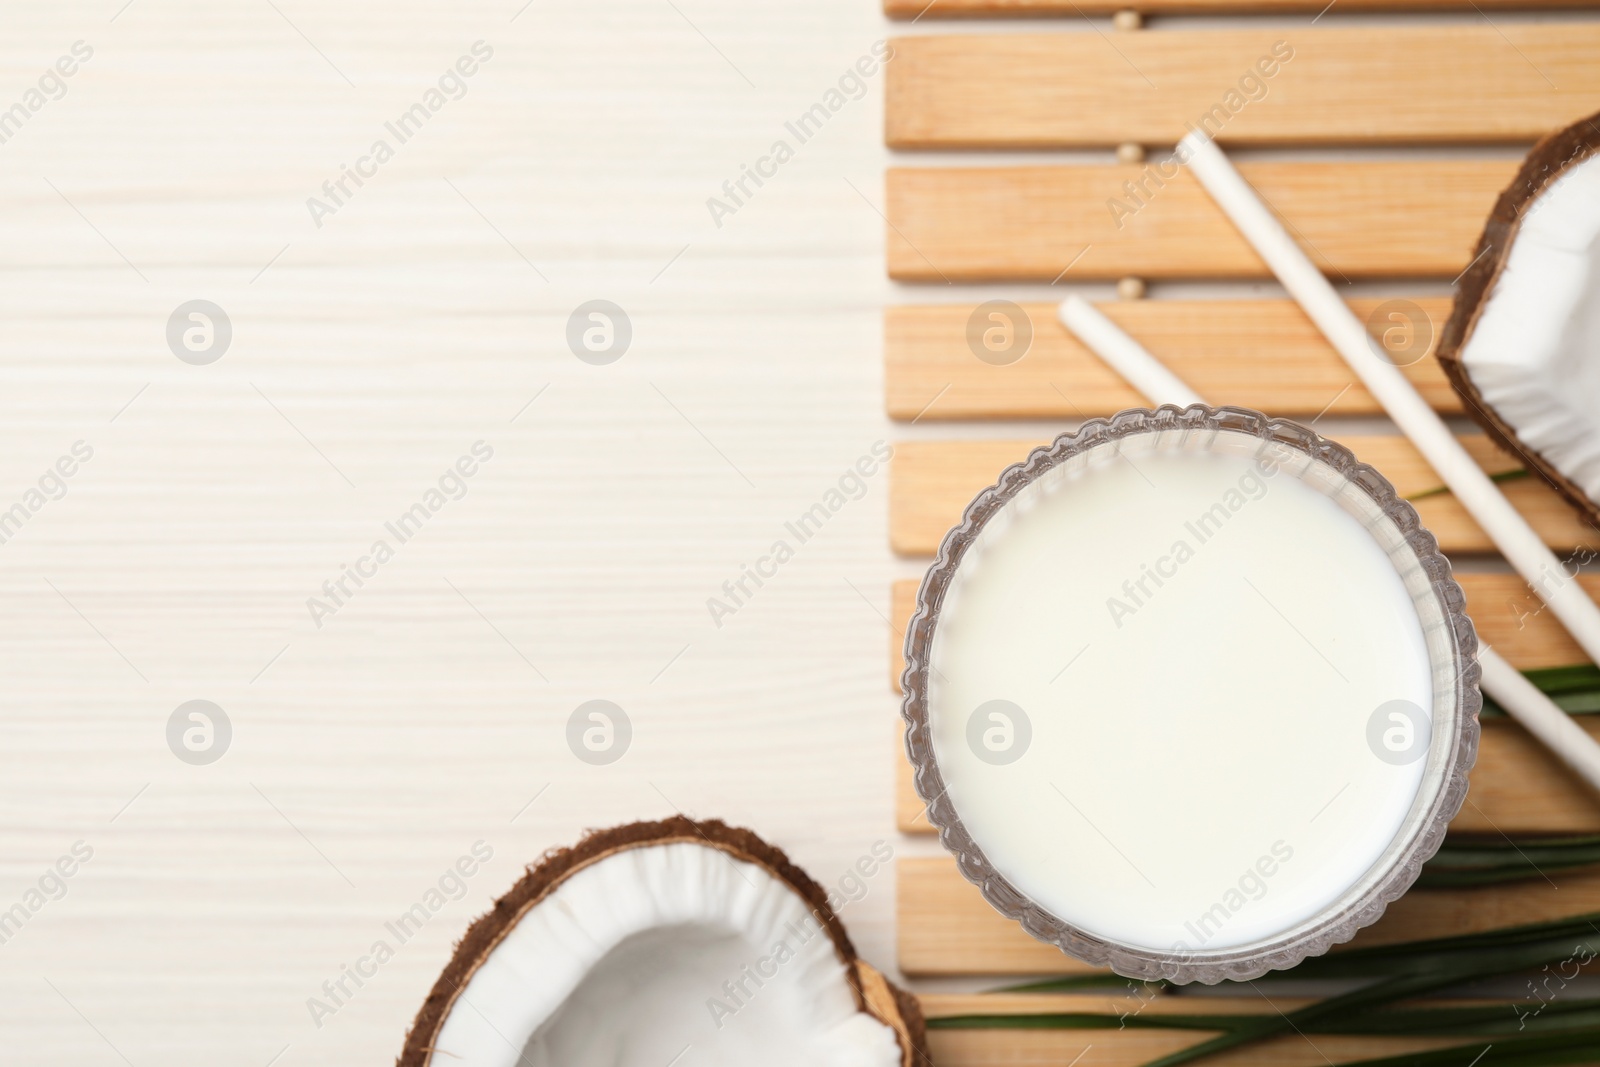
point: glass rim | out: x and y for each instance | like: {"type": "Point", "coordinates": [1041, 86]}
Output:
{"type": "Point", "coordinates": [1453, 751]}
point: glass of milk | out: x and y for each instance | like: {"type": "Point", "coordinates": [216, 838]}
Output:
{"type": "Point", "coordinates": [1191, 694]}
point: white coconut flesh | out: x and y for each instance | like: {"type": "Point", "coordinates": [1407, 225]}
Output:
{"type": "Point", "coordinates": [1534, 353]}
{"type": "Point", "coordinates": [673, 953]}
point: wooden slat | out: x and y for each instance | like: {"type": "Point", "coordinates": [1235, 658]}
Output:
{"type": "Point", "coordinates": [1117, 1001]}
{"type": "Point", "coordinates": [1263, 354]}
{"type": "Point", "coordinates": [1505, 612]}
{"type": "Point", "coordinates": [924, 10]}
{"type": "Point", "coordinates": [944, 1005]}
{"type": "Point", "coordinates": [1135, 1046]}
{"type": "Point", "coordinates": [1412, 219]}
{"type": "Point", "coordinates": [1120, 1046]}
{"type": "Point", "coordinates": [1517, 786]}
{"type": "Point", "coordinates": [1408, 84]}
{"type": "Point", "coordinates": [946, 927]}
{"type": "Point", "coordinates": [931, 483]}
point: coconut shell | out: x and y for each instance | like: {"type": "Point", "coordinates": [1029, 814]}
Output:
{"type": "Point", "coordinates": [875, 995]}
{"type": "Point", "coordinates": [1549, 159]}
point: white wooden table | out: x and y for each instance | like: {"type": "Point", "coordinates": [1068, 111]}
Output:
{"type": "Point", "coordinates": [367, 355]}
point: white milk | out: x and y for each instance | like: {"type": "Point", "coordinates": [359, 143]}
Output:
{"type": "Point", "coordinates": [1199, 774]}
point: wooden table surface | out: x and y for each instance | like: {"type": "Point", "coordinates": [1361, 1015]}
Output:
{"type": "Point", "coordinates": [425, 314]}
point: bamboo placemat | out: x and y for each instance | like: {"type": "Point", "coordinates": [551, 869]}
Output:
{"type": "Point", "coordinates": [1409, 220]}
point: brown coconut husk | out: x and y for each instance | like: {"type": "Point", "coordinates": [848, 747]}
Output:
{"type": "Point", "coordinates": [875, 995]}
{"type": "Point", "coordinates": [1549, 159]}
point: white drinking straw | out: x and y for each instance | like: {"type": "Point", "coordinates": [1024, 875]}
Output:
{"type": "Point", "coordinates": [1522, 700]}
{"type": "Point", "coordinates": [1126, 356]}
{"type": "Point", "coordinates": [1478, 494]}
{"type": "Point", "coordinates": [1539, 715]}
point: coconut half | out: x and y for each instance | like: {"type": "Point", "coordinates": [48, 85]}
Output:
{"type": "Point", "coordinates": [1522, 346]}
{"type": "Point", "coordinates": [675, 942]}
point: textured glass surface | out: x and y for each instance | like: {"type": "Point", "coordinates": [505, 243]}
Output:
{"type": "Point", "coordinates": [1451, 645]}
